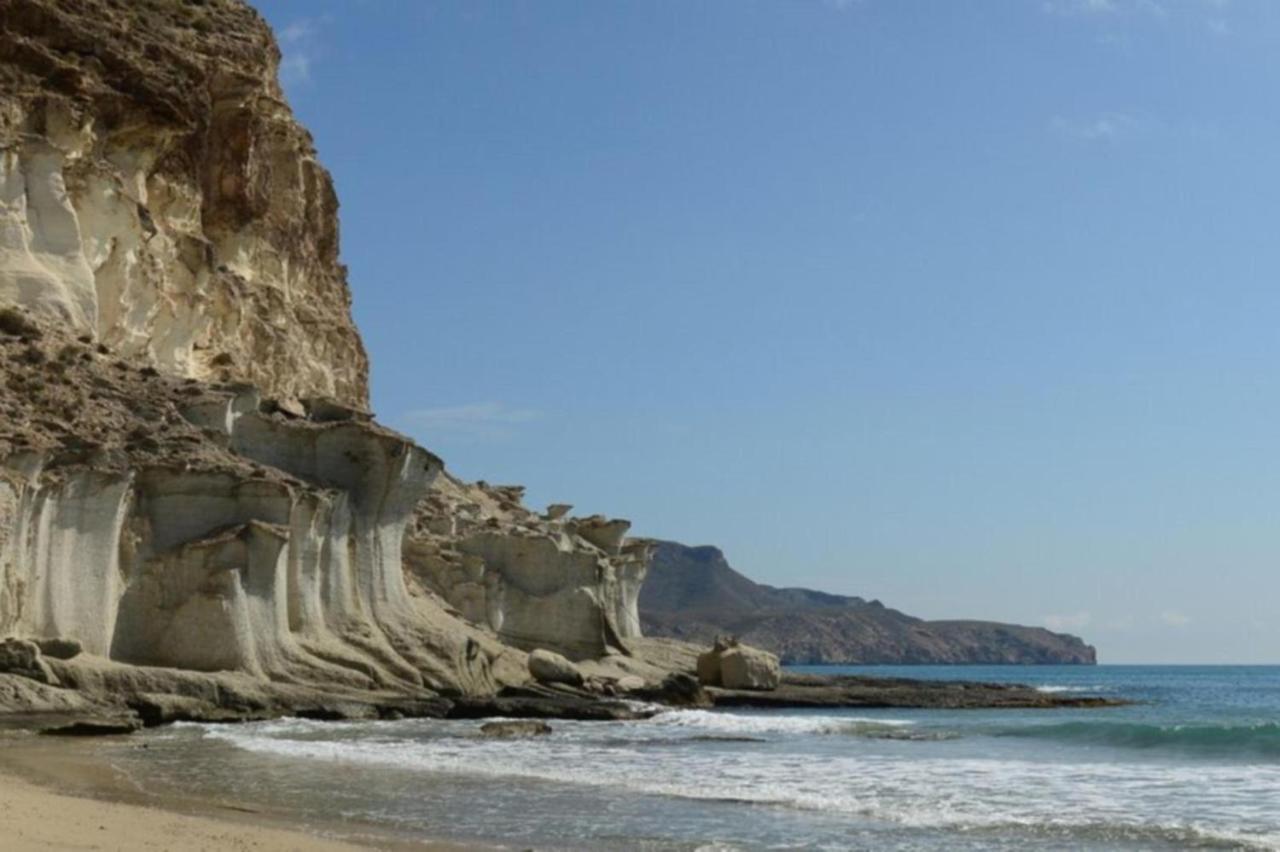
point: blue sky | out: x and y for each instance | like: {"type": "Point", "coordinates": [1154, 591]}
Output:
{"type": "Point", "coordinates": [969, 307]}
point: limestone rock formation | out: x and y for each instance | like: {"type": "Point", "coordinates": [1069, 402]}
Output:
{"type": "Point", "coordinates": [538, 581]}
{"type": "Point", "coordinates": [166, 522]}
{"type": "Point", "coordinates": [199, 518]}
{"type": "Point", "coordinates": [157, 195]}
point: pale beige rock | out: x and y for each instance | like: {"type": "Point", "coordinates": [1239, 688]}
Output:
{"type": "Point", "coordinates": [196, 506]}
{"type": "Point", "coordinates": [157, 193]}
{"type": "Point", "coordinates": [535, 581]}
{"type": "Point", "coordinates": [745, 667]}
{"type": "Point", "coordinates": [549, 667]}
{"type": "Point", "coordinates": [240, 541]}
{"type": "Point", "coordinates": [732, 665]}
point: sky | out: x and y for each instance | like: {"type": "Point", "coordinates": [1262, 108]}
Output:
{"type": "Point", "coordinates": [970, 308]}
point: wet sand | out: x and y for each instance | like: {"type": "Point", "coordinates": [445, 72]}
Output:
{"type": "Point", "coordinates": [61, 794]}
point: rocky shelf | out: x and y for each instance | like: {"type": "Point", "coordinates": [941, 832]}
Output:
{"type": "Point", "coordinates": [814, 691]}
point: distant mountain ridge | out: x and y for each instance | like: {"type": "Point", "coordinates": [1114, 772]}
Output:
{"type": "Point", "coordinates": [693, 593]}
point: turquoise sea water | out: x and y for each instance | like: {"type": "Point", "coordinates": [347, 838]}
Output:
{"type": "Point", "coordinates": [1196, 764]}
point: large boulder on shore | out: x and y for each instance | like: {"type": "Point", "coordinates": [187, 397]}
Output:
{"type": "Point", "coordinates": [745, 667]}
{"type": "Point", "coordinates": [735, 666]}
{"type": "Point", "coordinates": [549, 667]}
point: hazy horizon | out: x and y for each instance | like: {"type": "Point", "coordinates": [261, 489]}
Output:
{"type": "Point", "coordinates": [968, 308]}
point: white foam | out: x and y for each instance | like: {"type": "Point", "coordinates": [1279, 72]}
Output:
{"type": "Point", "coordinates": [742, 723]}
{"type": "Point", "coordinates": [928, 791]}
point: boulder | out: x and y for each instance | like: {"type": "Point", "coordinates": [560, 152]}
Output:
{"type": "Point", "coordinates": [732, 665]}
{"type": "Point", "coordinates": [676, 690]}
{"type": "Point", "coordinates": [745, 667]}
{"type": "Point", "coordinates": [630, 683]}
{"type": "Point", "coordinates": [59, 649]}
{"type": "Point", "coordinates": [549, 667]}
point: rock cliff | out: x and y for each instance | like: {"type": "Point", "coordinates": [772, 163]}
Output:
{"type": "Point", "coordinates": [538, 581]}
{"type": "Point", "coordinates": [157, 194]}
{"type": "Point", "coordinates": [693, 594]}
{"type": "Point", "coordinates": [197, 512]}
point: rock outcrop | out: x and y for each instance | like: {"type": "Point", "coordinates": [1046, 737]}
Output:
{"type": "Point", "coordinates": [538, 581]}
{"type": "Point", "coordinates": [166, 522]}
{"type": "Point", "coordinates": [157, 195]}
{"type": "Point", "coordinates": [694, 595]}
{"type": "Point", "coordinates": [199, 517]}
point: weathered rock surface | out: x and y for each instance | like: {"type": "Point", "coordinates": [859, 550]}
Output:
{"type": "Point", "coordinates": [678, 689]}
{"type": "Point", "coordinates": [550, 667]}
{"type": "Point", "coordinates": [817, 691]}
{"type": "Point", "coordinates": [164, 522]}
{"type": "Point", "coordinates": [526, 703]}
{"type": "Point", "coordinates": [538, 581]}
{"type": "Point", "coordinates": [692, 594]}
{"type": "Point", "coordinates": [157, 195]}
{"type": "Point", "coordinates": [736, 666]}
{"type": "Point", "coordinates": [198, 515]}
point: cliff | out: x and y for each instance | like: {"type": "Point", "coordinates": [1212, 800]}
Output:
{"type": "Point", "coordinates": [537, 580]}
{"type": "Point", "coordinates": [198, 515]}
{"type": "Point", "coordinates": [157, 194]}
{"type": "Point", "coordinates": [693, 594]}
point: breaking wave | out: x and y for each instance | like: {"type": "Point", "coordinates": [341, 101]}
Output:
{"type": "Point", "coordinates": [1260, 740]}
{"type": "Point", "coordinates": [750, 724]}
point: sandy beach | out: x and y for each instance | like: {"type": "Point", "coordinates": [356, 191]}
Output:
{"type": "Point", "coordinates": [58, 794]}
{"type": "Point", "coordinates": [32, 817]}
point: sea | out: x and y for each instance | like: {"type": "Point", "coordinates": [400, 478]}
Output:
{"type": "Point", "coordinates": [1194, 763]}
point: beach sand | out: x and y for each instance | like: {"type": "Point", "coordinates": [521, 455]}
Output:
{"type": "Point", "coordinates": [32, 818]}
{"type": "Point", "coordinates": [60, 795]}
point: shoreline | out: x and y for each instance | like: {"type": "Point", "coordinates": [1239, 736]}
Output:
{"type": "Point", "coordinates": [74, 792]}
{"type": "Point", "coordinates": [61, 794]}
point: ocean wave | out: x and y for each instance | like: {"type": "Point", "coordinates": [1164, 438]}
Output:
{"type": "Point", "coordinates": [1260, 740]}
{"type": "Point", "coordinates": [979, 797]}
{"type": "Point", "coordinates": [751, 724]}
{"type": "Point", "coordinates": [1054, 689]}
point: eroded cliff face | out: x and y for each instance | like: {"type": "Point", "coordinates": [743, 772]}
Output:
{"type": "Point", "coordinates": [166, 522]}
{"type": "Point", "coordinates": [538, 581]}
{"type": "Point", "coordinates": [157, 194]}
{"type": "Point", "coordinates": [196, 510]}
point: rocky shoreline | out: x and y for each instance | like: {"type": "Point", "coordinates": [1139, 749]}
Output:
{"type": "Point", "coordinates": [128, 713]}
